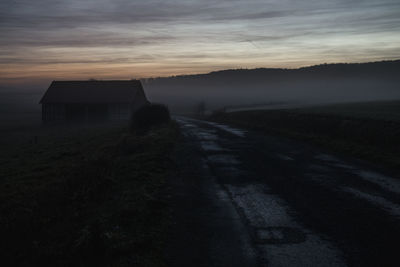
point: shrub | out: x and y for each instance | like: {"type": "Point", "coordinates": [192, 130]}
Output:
{"type": "Point", "coordinates": [149, 116]}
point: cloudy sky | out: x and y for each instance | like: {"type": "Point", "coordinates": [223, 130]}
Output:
{"type": "Point", "coordinates": [121, 39]}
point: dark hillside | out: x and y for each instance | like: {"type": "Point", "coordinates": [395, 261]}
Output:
{"type": "Point", "coordinates": [325, 83]}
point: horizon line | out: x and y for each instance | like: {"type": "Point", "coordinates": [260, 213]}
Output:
{"type": "Point", "coordinates": [261, 68]}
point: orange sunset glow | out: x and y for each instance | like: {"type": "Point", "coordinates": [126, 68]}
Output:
{"type": "Point", "coordinates": [47, 40]}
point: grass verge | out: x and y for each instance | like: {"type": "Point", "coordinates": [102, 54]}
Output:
{"type": "Point", "coordinates": [91, 198]}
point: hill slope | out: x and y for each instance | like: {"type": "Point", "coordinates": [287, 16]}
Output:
{"type": "Point", "coordinates": [325, 83]}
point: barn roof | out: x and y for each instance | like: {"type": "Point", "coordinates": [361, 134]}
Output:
{"type": "Point", "coordinates": [93, 92]}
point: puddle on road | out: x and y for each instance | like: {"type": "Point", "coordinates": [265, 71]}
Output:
{"type": "Point", "coordinates": [188, 125]}
{"type": "Point", "coordinates": [344, 166]}
{"type": "Point", "coordinates": [383, 181]}
{"type": "Point", "coordinates": [378, 201]}
{"type": "Point", "coordinates": [335, 162]}
{"type": "Point", "coordinates": [234, 131]}
{"type": "Point", "coordinates": [319, 168]}
{"type": "Point", "coordinates": [326, 157]}
{"type": "Point", "coordinates": [321, 179]}
{"type": "Point", "coordinates": [223, 159]}
{"type": "Point", "coordinates": [280, 235]}
{"type": "Point", "coordinates": [210, 146]}
{"type": "Point", "coordinates": [284, 157]}
{"type": "Point", "coordinates": [206, 135]}
{"type": "Point", "coordinates": [231, 171]}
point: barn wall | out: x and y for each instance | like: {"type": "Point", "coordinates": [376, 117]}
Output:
{"type": "Point", "coordinates": [139, 102]}
{"type": "Point", "coordinates": [115, 112]}
{"type": "Point", "coordinates": [53, 112]}
{"type": "Point", "coordinates": [119, 111]}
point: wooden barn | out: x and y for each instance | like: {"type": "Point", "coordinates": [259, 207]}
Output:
{"type": "Point", "coordinates": [83, 101]}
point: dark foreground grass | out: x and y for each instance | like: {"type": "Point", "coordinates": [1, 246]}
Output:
{"type": "Point", "coordinates": [370, 131]}
{"type": "Point", "coordinates": [89, 198]}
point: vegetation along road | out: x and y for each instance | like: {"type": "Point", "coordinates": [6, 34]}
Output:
{"type": "Point", "coordinates": [271, 201]}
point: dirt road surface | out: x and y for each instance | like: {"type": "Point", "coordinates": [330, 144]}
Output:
{"type": "Point", "coordinates": [245, 199]}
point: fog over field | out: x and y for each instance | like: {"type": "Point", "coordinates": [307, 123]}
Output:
{"type": "Point", "coordinates": [330, 83]}
{"type": "Point", "coordinates": [19, 107]}
{"type": "Point", "coordinates": [306, 86]}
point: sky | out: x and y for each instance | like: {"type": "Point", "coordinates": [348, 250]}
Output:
{"type": "Point", "coordinates": [46, 40]}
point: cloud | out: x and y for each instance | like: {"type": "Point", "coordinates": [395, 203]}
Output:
{"type": "Point", "coordinates": [207, 34]}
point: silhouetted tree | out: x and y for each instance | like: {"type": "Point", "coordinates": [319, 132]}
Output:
{"type": "Point", "coordinates": [149, 116]}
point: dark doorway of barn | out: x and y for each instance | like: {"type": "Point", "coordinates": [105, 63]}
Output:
{"type": "Point", "coordinates": [84, 113]}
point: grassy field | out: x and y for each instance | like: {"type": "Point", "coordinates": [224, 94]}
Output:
{"type": "Point", "coordinates": [370, 131]}
{"type": "Point", "coordinates": [384, 111]}
{"type": "Point", "coordinates": [84, 196]}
